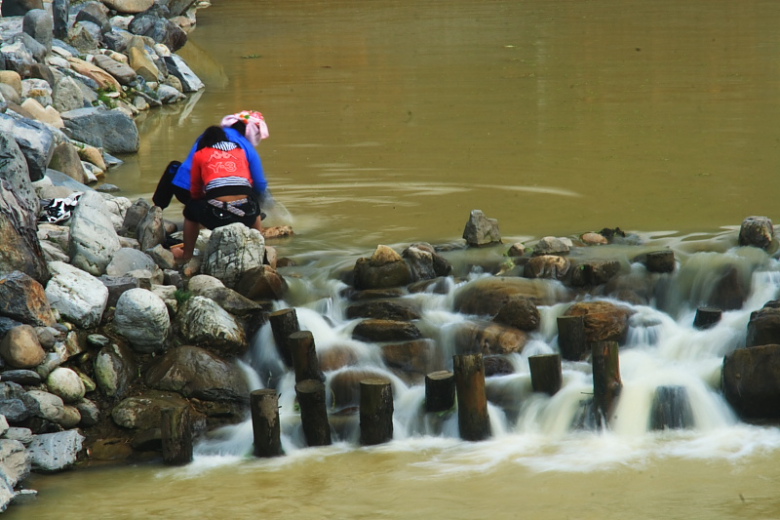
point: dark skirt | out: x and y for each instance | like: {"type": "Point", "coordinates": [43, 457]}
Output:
{"type": "Point", "coordinates": [212, 213]}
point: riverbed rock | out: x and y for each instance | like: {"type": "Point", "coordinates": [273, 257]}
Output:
{"type": "Point", "coordinates": [488, 338]}
{"type": "Point", "coordinates": [519, 312]}
{"type": "Point", "coordinates": [195, 372]}
{"type": "Point", "coordinates": [115, 370]}
{"type": "Point", "coordinates": [553, 267]}
{"type": "Point", "coordinates": [386, 268]}
{"type": "Point", "coordinates": [756, 232]}
{"type": "Point", "coordinates": [593, 272]}
{"type": "Point", "coordinates": [377, 330]}
{"type": "Point", "coordinates": [39, 24]}
{"type": "Point", "coordinates": [262, 283]}
{"type": "Point", "coordinates": [76, 295]}
{"type": "Point", "coordinates": [24, 299]}
{"type": "Point", "coordinates": [142, 318]}
{"type": "Point", "coordinates": [411, 358]}
{"type": "Point", "coordinates": [145, 411]}
{"type": "Point", "coordinates": [394, 309]}
{"type": "Point", "coordinates": [481, 230]}
{"type": "Point", "coordinates": [177, 67]}
{"type": "Point", "coordinates": [764, 326]}
{"type": "Point", "coordinates": [67, 384]}
{"type": "Point", "coordinates": [20, 348]}
{"type": "Point", "coordinates": [19, 7]}
{"type": "Point", "coordinates": [94, 241]}
{"type": "Point", "coordinates": [129, 260]}
{"type": "Point", "coordinates": [35, 140]}
{"type": "Point", "coordinates": [232, 251]}
{"type": "Point", "coordinates": [112, 130]}
{"type": "Point", "coordinates": [200, 321]}
{"type": "Point", "coordinates": [604, 321]}
{"type": "Point", "coordinates": [55, 452]}
{"type": "Point", "coordinates": [552, 246]}
{"type": "Point", "coordinates": [751, 381]}
{"type": "Point", "coordinates": [425, 263]}
{"type": "Point", "coordinates": [486, 296]}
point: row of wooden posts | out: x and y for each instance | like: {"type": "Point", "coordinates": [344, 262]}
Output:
{"type": "Point", "coordinates": [466, 383]}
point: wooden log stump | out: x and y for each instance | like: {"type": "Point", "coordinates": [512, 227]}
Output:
{"type": "Point", "coordinates": [546, 373]}
{"type": "Point", "coordinates": [314, 412]}
{"type": "Point", "coordinates": [606, 377]}
{"type": "Point", "coordinates": [571, 338]}
{"type": "Point", "coordinates": [176, 432]}
{"type": "Point", "coordinates": [671, 409]}
{"type": "Point", "coordinates": [706, 318]}
{"type": "Point", "coordinates": [283, 323]}
{"type": "Point", "coordinates": [439, 391]}
{"type": "Point", "coordinates": [376, 411]}
{"type": "Point", "coordinates": [264, 405]}
{"type": "Point", "coordinates": [304, 356]}
{"type": "Point", "coordinates": [473, 419]}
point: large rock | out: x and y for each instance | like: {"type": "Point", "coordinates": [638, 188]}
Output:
{"type": "Point", "coordinates": [20, 348]}
{"type": "Point", "coordinates": [385, 330]}
{"type": "Point", "coordinates": [757, 232]}
{"type": "Point", "coordinates": [384, 269]}
{"type": "Point", "coordinates": [262, 283]}
{"type": "Point", "coordinates": [35, 140]}
{"type": "Point", "coordinates": [54, 452]}
{"type": "Point", "coordinates": [488, 338]}
{"type": "Point", "coordinates": [604, 321]}
{"type": "Point", "coordinates": [94, 241]}
{"type": "Point", "coordinates": [39, 24]}
{"type": "Point", "coordinates": [145, 411]}
{"type": "Point", "coordinates": [112, 130]}
{"type": "Point", "coordinates": [77, 295]}
{"type": "Point", "coordinates": [66, 383]}
{"type": "Point", "coordinates": [519, 312]}
{"type": "Point", "coordinates": [481, 230]}
{"type": "Point", "coordinates": [24, 299]}
{"type": "Point", "coordinates": [486, 296]}
{"type": "Point", "coordinates": [178, 68]}
{"type": "Point", "coordinates": [751, 381]}
{"type": "Point", "coordinates": [19, 7]}
{"type": "Point", "coordinates": [764, 326]}
{"type": "Point", "coordinates": [202, 322]}
{"type": "Point", "coordinates": [232, 251]}
{"type": "Point", "coordinates": [142, 318]}
{"type": "Point", "coordinates": [129, 6]}
{"type": "Point", "coordinates": [115, 370]}
{"type": "Point", "coordinates": [425, 263]}
{"type": "Point", "coordinates": [200, 374]}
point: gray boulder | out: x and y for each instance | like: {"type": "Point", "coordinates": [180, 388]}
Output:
{"type": "Point", "coordinates": [142, 318]}
{"type": "Point", "coordinates": [77, 295]}
{"type": "Point", "coordinates": [232, 250]}
{"type": "Point", "coordinates": [481, 230]}
{"type": "Point", "coordinates": [94, 241]}
{"type": "Point", "coordinates": [55, 452]}
{"type": "Point", "coordinates": [115, 370]}
{"type": "Point", "coordinates": [202, 322]}
{"type": "Point", "coordinates": [197, 373]}
{"type": "Point", "coordinates": [39, 24]}
{"type": "Point", "coordinates": [112, 130]}
{"type": "Point", "coordinates": [35, 140]}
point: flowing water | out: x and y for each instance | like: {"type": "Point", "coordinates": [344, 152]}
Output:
{"type": "Point", "coordinates": [389, 122]}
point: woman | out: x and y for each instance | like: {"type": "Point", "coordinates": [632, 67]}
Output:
{"type": "Point", "coordinates": [223, 188]}
{"type": "Point", "coordinates": [246, 128]}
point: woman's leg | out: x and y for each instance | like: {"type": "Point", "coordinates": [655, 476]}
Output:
{"type": "Point", "coordinates": [191, 231]}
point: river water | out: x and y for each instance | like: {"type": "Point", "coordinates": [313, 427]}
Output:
{"type": "Point", "coordinates": [390, 121]}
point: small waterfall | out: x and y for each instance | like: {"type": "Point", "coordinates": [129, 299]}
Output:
{"type": "Point", "coordinates": [670, 370]}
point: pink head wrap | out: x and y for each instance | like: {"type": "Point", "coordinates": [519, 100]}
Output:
{"type": "Point", "coordinates": [256, 129]}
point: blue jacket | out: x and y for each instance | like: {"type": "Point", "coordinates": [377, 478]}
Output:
{"type": "Point", "coordinates": [183, 177]}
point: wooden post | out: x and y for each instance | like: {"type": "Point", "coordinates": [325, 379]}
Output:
{"type": "Point", "coordinates": [376, 411]}
{"type": "Point", "coordinates": [571, 338]}
{"type": "Point", "coordinates": [176, 431]}
{"type": "Point", "coordinates": [671, 408]}
{"type": "Point", "coordinates": [546, 373]}
{"type": "Point", "coordinates": [304, 356]}
{"type": "Point", "coordinates": [606, 376]}
{"type": "Point", "coordinates": [706, 317]}
{"type": "Point", "coordinates": [283, 323]}
{"type": "Point", "coordinates": [439, 391]}
{"type": "Point", "coordinates": [314, 412]}
{"type": "Point", "coordinates": [473, 419]}
{"type": "Point", "coordinates": [264, 405]}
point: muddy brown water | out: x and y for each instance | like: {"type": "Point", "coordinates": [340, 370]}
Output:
{"type": "Point", "coordinates": [389, 122]}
